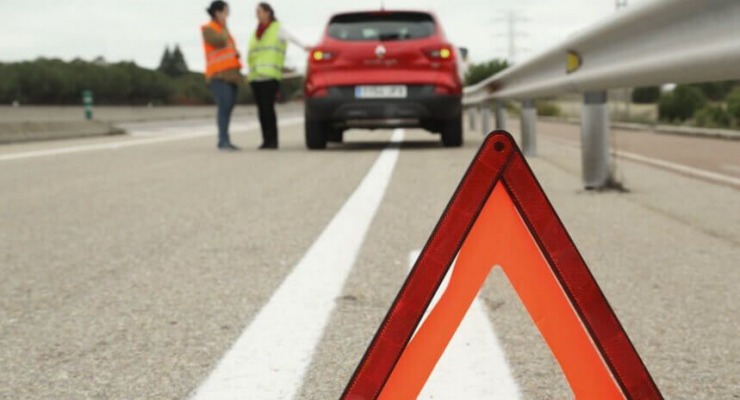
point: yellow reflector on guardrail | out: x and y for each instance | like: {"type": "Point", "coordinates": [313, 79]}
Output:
{"type": "Point", "coordinates": [574, 62]}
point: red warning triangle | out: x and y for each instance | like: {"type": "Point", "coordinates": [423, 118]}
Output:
{"type": "Point", "coordinates": [499, 215]}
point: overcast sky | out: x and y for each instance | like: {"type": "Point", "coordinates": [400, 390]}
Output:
{"type": "Point", "coordinates": [139, 30]}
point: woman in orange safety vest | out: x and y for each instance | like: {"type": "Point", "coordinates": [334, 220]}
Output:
{"type": "Point", "coordinates": [223, 69]}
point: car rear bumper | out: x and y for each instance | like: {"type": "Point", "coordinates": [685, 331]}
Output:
{"type": "Point", "coordinates": [421, 105]}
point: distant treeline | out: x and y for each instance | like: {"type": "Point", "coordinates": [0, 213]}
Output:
{"type": "Point", "coordinates": [57, 82]}
{"type": "Point", "coordinates": [711, 104]}
{"type": "Point", "coordinates": [481, 71]}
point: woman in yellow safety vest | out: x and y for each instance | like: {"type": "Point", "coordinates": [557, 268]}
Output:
{"type": "Point", "coordinates": [266, 60]}
{"type": "Point", "coordinates": [222, 69]}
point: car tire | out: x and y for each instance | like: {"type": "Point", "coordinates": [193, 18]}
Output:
{"type": "Point", "coordinates": [336, 135]}
{"type": "Point", "coordinates": [315, 134]}
{"type": "Point", "coordinates": [452, 132]}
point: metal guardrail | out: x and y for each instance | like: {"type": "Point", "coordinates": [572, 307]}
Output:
{"type": "Point", "coordinates": [664, 41]}
{"type": "Point", "coordinates": [292, 75]}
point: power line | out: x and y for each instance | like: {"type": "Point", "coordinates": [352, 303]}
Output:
{"type": "Point", "coordinates": [512, 20]}
{"type": "Point", "coordinates": [512, 36]}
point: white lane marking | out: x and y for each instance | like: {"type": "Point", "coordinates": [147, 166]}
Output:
{"type": "Point", "coordinates": [473, 367]}
{"type": "Point", "coordinates": [691, 171]}
{"type": "Point", "coordinates": [178, 128]}
{"type": "Point", "coordinates": [731, 168]}
{"type": "Point", "coordinates": [270, 358]}
{"type": "Point", "coordinates": [683, 169]}
{"type": "Point", "coordinates": [121, 144]}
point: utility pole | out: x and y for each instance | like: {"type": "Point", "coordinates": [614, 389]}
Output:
{"type": "Point", "coordinates": [627, 97]}
{"type": "Point", "coordinates": [512, 37]}
{"type": "Point", "coordinates": [512, 20]}
{"type": "Point", "coordinates": [625, 94]}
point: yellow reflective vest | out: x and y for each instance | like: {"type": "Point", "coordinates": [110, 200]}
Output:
{"type": "Point", "coordinates": [266, 56]}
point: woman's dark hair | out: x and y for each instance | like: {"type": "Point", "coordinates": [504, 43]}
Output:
{"type": "Point", "coordinates": [215, 7]}
{"type": "Point", "coordinates": [268, 9]}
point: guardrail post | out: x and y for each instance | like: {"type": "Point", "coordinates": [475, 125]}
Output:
{"type": "Point", "coordinates": [500, 115]}
{"type": "Point", "coordinates": [485, 117]}
{"type": "Point", "coordinates": [472, 114]}
{"type": "Point", "coordinates": [595, 139]}
{"type": "Point", "coordinates": [529, 128]}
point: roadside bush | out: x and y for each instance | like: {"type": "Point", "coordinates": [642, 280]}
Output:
{"type": "Point", "coordinates": [245, 95]}
{"type": "Point", "coordinates": [291, 89]}
{"type": "Point", "coordinates": [190, 89]}
{"type": "Point", "coordinates": [58, 82]}
{"type": "Point", "coordinates": [681, 104]}
{"type": "Point", "coordinates": [733, 104]}
{"type": "Point", "coordinates": [547, 108]}
{"type": "Point", "coordinates": [713, 117]}
{"type": "Point", "coordinates": [646, 95]}
{"type": "Point", "coordinates": [9, 88]}
{"type": "Point", "coordinates": [53, 81]}
{"type": "Point", "coordinates": [479, 72]}
{"type": "Point", "coordinates": [716, 91]}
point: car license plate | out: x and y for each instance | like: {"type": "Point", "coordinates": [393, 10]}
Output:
{"type": "Point", "coordinates": [381, 92]}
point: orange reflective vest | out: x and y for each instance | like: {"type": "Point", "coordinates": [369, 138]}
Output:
{"type": "Point", "coordinates": [220, 59]}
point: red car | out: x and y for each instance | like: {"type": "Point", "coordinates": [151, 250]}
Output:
{"type": "Point", "coordinates": [383, 69]}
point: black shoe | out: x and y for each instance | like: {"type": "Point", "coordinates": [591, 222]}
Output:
{"type": "Point", "coordinates": [228, 147]}
{"type": "Point", "coordinates": [268, 147]}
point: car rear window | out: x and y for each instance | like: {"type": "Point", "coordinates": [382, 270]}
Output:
{"type": "Point", "coordinates": [381, 26]}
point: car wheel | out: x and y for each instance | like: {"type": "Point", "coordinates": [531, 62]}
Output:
{"type": "Point", "coordinates": [315, 134]}
{"type": "Point", "coordinates": [336, 135]}
{"type": "Point", "coordinates": [452, 132]}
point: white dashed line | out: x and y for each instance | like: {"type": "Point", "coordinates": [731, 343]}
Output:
{"type": "Point", "coordinates": [473, 367]}
{"type": "Point", "coordinates": [695, 172]}
{"type": "Point", "coordinates": [123, 143]}
{"type": "Point", "coordinates": [270, 358]}
{"type": "Point", "coordinates": [671, 166]}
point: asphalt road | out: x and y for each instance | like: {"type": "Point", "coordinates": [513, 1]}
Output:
{"type": "Point", "coordinates": [108, 113]}
{"type": "Point", "coordinates": [154, 267]}
{"type": "Point", "coordinates": [707, 154]}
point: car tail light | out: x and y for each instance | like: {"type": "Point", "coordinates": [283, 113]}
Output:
{"type": "Point", "coordinates": [440, 53]}
{"type": "Point", "coordinates": [322, 55]}
{"type": "Point", "coordinates": [321, 92]}
{"type": "Point", "coordinates": [443, 90]}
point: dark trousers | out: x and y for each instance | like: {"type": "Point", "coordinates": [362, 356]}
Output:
{"type": "Point", "coordinates": [225, 95]}
{"type": "Point", "coordinates": [264, 95]}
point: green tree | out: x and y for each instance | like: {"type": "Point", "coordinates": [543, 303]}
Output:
{"type": "Point", "coordinates": [51, 81]}
{"type": "Point", "coordinates": [149, 86]}
{"type": "Point", "coordinates": [166, 64]}
{"type": "Point", "coordinates": [681, 104]}
{"type": "Point", "coordinates": [179, 66]}
{"type": "Point", "coordinates": [733, 104]}
{"type": "Point", "coordinates": [9, 84]}
{"type": "Point", "coordinates": [716, 91]}
{"type": "Point", "coordinates": [173, 62]}
{"type": "Point", "coordinates": [191, 89]}
{"type": "Point", "coordinates": [479, 72]}
{"type": "Point", "coordinates": [646, 95]}
{"type": "Point", "coordinates": [713, 117]}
